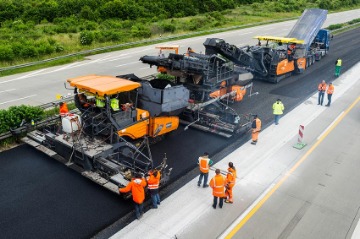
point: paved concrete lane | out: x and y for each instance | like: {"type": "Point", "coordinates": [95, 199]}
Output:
{"type": "Point", "coordinates": [41, 86]}
{"type": "Point", "coordinates": [315, 199]}
{"type": "Point", "coordinates": [321, 197]}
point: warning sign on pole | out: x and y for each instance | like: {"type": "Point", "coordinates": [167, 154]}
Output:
{"type": "Point", "coordinates": [300, 144]}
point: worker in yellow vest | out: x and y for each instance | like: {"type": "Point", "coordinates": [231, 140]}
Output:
{"type": "Point", "coordinates": [338, 63]}
{"type": "Point", "coordinates": [114, 104]}
{"type": "Point", "coordinates": [278, 108]}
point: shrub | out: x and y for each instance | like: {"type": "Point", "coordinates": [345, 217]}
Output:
{"type": "Point", "coordinates": [58, 47]}
{"type": "Point", "coordinates": [140, 31]}
{"type": "Point", "coordinates": [335, 26]}
{"type": "Point", "coordinates": [6, 53]}
{"type": "Point", "coordinates": [29, 51]}
{"type": "Point", "coordinates": [354, 21]}
{"type": "Point", "coordinates": [12, 117]}
{"type": "Point", "coordinates": [88, 25]}
{"type": "Point", "coordinates": [86, 38]}
{"type": "Point", "coordinates": [168, 27]}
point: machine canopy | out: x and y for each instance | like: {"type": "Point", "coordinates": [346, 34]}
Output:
{"type": "Point", "coordinates": [103, 85]}
{"type": "Point", "coordinates": [279, 39]}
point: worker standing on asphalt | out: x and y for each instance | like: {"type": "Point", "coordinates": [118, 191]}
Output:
{"type": "Point", "coordinates": [63, 108]}
{"type": "Point", "coordinates": [330, 92]}
{"type": "Point", "coordinates": [204, 166]}
{"type": "Point", "coordinates": [153, 185]}
{"type": "Point", "coordinates": [256, 127]}
{"type": "Point", "coordinates": [230, 182]}
{"type": "Point", "coordinates": [136, 186]}
{"type": "Point", "coordinates": [321, 89]}
{"type": "Point", "coordinates": [338, 64]}
{"type": "Point", "coordinates": [278, 108]}
{"type": "Point", "coordinates": [217, 183]}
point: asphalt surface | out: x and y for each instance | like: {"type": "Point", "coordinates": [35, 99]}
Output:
{"type": "Point", "coordinates": [42, 198]}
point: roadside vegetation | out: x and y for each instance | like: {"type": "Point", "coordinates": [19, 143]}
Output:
{"type": "Point", "coordinates": [33, 30]}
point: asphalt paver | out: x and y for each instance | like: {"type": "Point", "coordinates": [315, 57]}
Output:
{"type": "Point", "coordinates": [42, 198]}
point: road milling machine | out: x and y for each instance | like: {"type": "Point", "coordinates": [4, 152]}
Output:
{"type": "Point", "coordinates": [275, 58]}
{"type": "Point", "coordinates": [108, 141]}
{"type": "Point", "coordinates": [214, 83]}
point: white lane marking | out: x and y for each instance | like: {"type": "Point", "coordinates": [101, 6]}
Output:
{"type": "Point", "coordinates": [119, 58]}
{"type": "Point", "coordinates": [30, 75]}
{"type": "Point", "coordinates": [110, 58]}
{"type": "Point", "coordinates": [130, 63]}
{"type": "Point", "coordinates": [7, 90]}
{"type": "Point", "coordinates": [247, 211]}
{"type": "Point", "coordinates": [330, 125]}
{"type": "Point", "coordinates": [24, 77]}
{"type": "Point", "coordinates": [66, 67]}
{"type": "Point", "coordinates": [9, 101]}
{"type": "Point", "coordinates": [356, 232]}
{"type": "Point", "coordinates": [145, 68]}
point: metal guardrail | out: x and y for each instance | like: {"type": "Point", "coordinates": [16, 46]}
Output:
{"type": "Point", "coordinates": [141, 42]}
{"type": "Point", "coordinates": [27, 127]}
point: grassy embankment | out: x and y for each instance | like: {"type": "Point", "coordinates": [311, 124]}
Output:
{"type": "Point", "coordinates": [58, 44]}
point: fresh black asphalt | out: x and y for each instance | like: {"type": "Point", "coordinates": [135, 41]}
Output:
{"type": "Point", "coordinates": [41, 198]}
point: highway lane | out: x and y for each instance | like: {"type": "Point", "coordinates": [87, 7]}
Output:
{"type": "Point", "coordinates": [41, 86]}
{"type": "Point", "coordinates": [42, 197]}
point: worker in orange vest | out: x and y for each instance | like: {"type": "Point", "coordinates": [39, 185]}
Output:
{"type": "Point", "coordinates": [291, 50]}
{"type": "Point", "coordinates": [330, 92]}
{"type": "Point", "coordinates": [153, 185]}
{"type": "Point", "coordinates": [136, 186]}
{"type": "Point", "coordinates": [217, 183]}
{"type": "Point", "coordinates": [321, 89]}
{"type": "Point", "coordinates": [230, 182]}
{"type": "Point", "coordinates": [204, 166]}
{"type": "Point", "coordinates": [63, 108]}
{"type": "Point", "coordinates": [256, 127]}
{"type": "Point", "coordinates": [189, 50]}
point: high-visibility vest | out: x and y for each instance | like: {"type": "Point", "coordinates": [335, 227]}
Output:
{"type": "Point", "coordinates": [231, 177]}
{"type": "Point", "coordinates": [136, 186]}
{"type": "Point", "coordinates": [114, 104]}
{"type": "Point", "coordinates": [204, 164]}
{"type": "Point", "coordinates": [278, 108]}
{"type": "Point", "coordinates": [322, 87]}
{"type": "Point", "coordinates": [153, 182]}
{"type": "Point", "coordinates": [338, 63]}
{"type": "Point", "coordinates": [330, 90]}
{"type": "Point", "coordinates": [217, 183]}
{"type": "Point", "coordinates": [99, 102]}
{"type": "Point", "coordinates": [256, 125]}
{"type": "Point", "coordinates": [64, 109]}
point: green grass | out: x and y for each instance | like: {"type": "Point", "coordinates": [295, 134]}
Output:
{"type": "Point", "coordinates": [249, 15]}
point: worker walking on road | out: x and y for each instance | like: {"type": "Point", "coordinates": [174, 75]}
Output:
{"type": "Point", "coordinates": [136, 186]}
{"type": "Point", "coordinates": [278, 108]}
{"type": "Point", "coordinates": [330, 92]}
{"type": "Point", "coordinates": [256, 127]}
{"type": "Point", "coordinates": [321, 89]}
{"type": "Point", "coordinates": [217, 183]}
{"type": "Point", "coordinates": [153, 185]}
{"type": "Point", "coordinates": [230, 182]}
{"type": "Point", "coordinates": [204, 166]}
{"type": "Point", "coordinates": [338, 64]}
